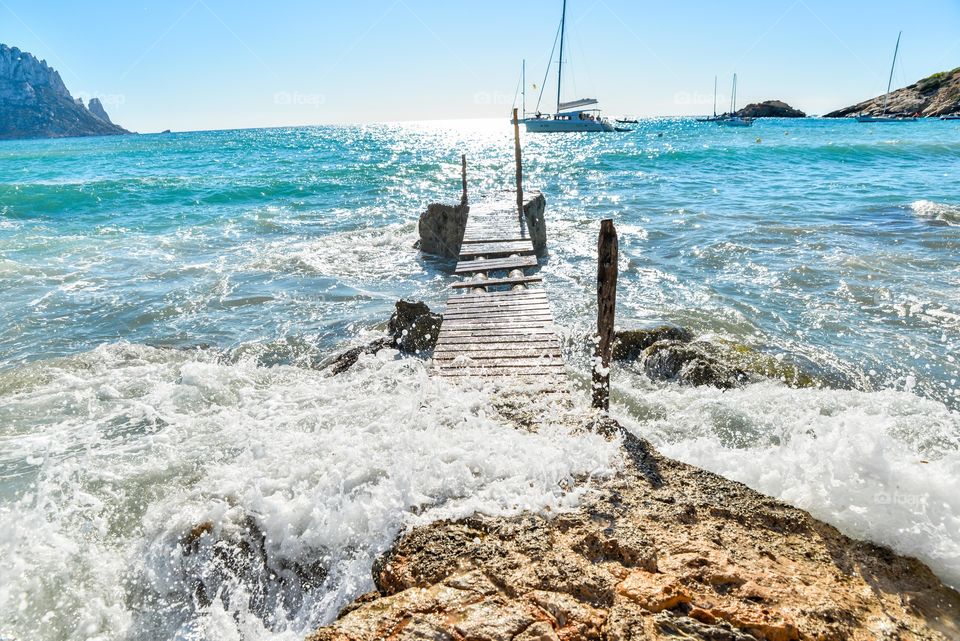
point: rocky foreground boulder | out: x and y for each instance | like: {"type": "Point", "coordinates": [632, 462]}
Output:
{"type": "Point", "coordinates": [770, 109]}
{"type": "Point", "coordinates": [662, 551]}
{"type": "Point", "coordinates": [935, 95]}
{"type": "Point", "coordinates": [34, 102]}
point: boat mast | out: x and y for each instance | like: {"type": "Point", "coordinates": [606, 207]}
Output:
{"type": "Point", "coordinates": [890, 79]}
{"type": "Point", "coordinates": [563, 25]}
{"type": "Point", "coordinates": [523, 80]}
{"type": "Point", "coordinates": [714, 96]}
{"type": "Point", "coordinates": [733, 95]}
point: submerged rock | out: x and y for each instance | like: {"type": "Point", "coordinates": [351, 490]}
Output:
{"type": "Point", "coordinates": [671, 353]}
{"type": "Point", "coordinates": [663, 551]}
{"type": "Point", "coordinates": [690, 364]}
{"type": "Point", "coordinates": [413, 329]}
{"type": "Point", "coordinates": [629, 344]}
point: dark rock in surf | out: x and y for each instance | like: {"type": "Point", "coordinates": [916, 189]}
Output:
{"type": "Point", "coordinates": [629, 344]}
{"type": "Point", "coordinates": [689, 364]}
{"type": "Point", "coordinates": [412, 329]}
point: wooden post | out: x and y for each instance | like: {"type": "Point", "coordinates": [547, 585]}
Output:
{"type": "Point", "coordinates": [463, 177]}
{"type": "Point", "coordinates": [516, 153]}
{"type": "Point", "coordinates": [607, 250]}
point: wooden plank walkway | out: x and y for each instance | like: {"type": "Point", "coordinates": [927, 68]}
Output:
{"type": "Point", "coordinates": [495, 324]}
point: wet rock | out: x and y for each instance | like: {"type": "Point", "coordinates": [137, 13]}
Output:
{"type": "Point", "coordinates": [414, 327]}
{"type": "Point", "coordinates": [533, 211]}
{"type": "Point", "coordinates": [629, 344]}
{"type": "Point", "coordinates": [689, 364]}
{"type": "Point", "coordinates": [671, 353]}
{"type": "Point", "coordinates": [441, 229]}
{"type": "Point", "coordinates": [345, 360]}
{"type": "Point", "coordinates": [625, 566]}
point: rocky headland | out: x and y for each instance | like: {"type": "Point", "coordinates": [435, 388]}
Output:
{"type": "Point", "coordinates": [935, 95]}
{"type": "Point", "coordinates": [661, 550]}
{"type": "Point", "coordinates": [34, 102]}
{"type": "Point", "coordinates": [770, 109]}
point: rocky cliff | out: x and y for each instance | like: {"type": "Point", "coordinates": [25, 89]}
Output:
{"type": "Point", "coordinates": [96, 108]}
{"type": "Point", "coordinates": [936, 95]}
{"type": "Point", "coordinates": [34, 102]}
{"type": "Point", "coordinates": [770, 109]}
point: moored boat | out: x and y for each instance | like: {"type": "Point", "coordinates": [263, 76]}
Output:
{"type": "Point", "coordinates": [571, 115]}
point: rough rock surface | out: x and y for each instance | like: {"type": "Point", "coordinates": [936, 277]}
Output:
{"type": "Point", "coordinates": [690, 364]}
{"type": "Point", "coordinates": [533, 211]}
{"type": "Point", "coordinates": [96, 108]}
{"type": "Point", "coordinates": [441, 226]}
{"type": "Point", "coordinates": [671, 353]}
{"type": "Point", "coordinates": [412, 329]}
{"type": "Point", "coordinates": [935, 95]}
{"type": "Point", "coordinates": [34, 102]}
{"type": "Point", "coordinates": [441, 229]}
{"type": "Point", "coordinates": [662, 551]}
{"type": "Point", "coordinates": [770, 109]}
{"type": "Point", "coordinates": [629, 344]}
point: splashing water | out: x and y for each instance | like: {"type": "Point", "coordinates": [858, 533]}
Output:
{"type": "Point", "coordinates": [172, 466]}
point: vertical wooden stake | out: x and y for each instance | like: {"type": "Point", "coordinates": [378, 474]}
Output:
{"type": "Point", "coordinates": [607, 250]}
{"type": "Point", "coordinates": [463, 177]}
{"type": "Point", "coordinates": [516, 153]}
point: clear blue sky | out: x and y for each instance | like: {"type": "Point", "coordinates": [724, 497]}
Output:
{"type": "Point", "coordinates": [211, 64]}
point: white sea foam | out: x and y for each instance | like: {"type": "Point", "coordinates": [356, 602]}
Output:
{"type": "Point", "coordinates": [882, 466]}
{"type": "Point", "coordinates": [116, 454]}
{"type": "Point", "coordinates": [941, 212]}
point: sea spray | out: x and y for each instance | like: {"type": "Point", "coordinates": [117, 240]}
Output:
{"type": "Point", "coordinates": [133, 448]}
{"type": "Point", "coordinates": [880, 466]}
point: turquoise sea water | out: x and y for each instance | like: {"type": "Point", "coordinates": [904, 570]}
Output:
{"type": "Point", "coordinates": [166, 300]}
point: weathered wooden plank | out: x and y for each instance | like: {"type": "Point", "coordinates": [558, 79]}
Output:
{"type": "Point", "coordinates": [495, 264]}
{"type": "Point", "coordinates": [527, 294]}
{"type": "Point", "coordinates": [495, 305]}
{"type": "Point", "coordinates": [481, 333]}
{"type": "Point", "coordinates": [479, 355]}
{"type": "Point", "coordinates": [493, 282]}
{"type": "Point", "coordinates": [496, 249]}
{"type": "Point", "coordinates": [495, 313]}
{"type": "Point", "coordinates": [502, 371]}
{"type": "Point", "coordinates": [511, 339]}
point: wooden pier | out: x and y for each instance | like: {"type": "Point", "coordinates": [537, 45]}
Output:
{"type": "Point", "coordinates": [497, 323]}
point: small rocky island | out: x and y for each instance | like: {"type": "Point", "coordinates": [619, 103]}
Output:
{"type": "Point", "coordinates": [34, 102]}
{"type": "Point", "coordinates": [935, 95]}
{"type": "Point", "coordinates": [770, 109]}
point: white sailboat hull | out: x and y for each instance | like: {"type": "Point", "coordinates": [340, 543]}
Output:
{"type": "Point", "coordinates": [734, 122]}
{"type": "Point", "coordinates": [552, 125]}
{"type": "Point", "coordinates": [884, 119]}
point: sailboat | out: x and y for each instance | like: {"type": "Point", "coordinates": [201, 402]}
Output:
{"type": "Point", "coordinates": [884, 117]}
{"type": "Point", "coordinates": [732, 119]}
{"type": "Point", "coordinates": [712, 118]}
{"type": "Point", "coordinates": [571, 115]}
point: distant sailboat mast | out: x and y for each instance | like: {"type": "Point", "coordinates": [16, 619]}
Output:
{"type": "Point", "coordinates": [563, 26]}
{"type": "Point", "coordinates": [733, 96]}
{"type": "Point", "coordinates": [886, 96]}
{"type": "Point", "coordinates": [714, 96]}
{"type": "Point", "coordinates": [523, 81]}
